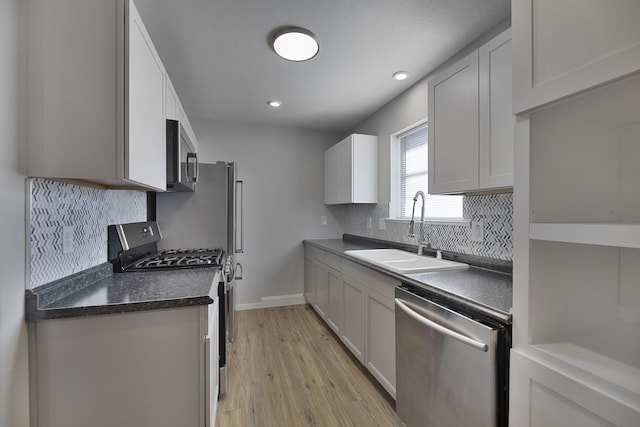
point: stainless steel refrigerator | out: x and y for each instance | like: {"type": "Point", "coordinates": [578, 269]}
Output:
{"type": "Point", "coordinates": [210, 217]}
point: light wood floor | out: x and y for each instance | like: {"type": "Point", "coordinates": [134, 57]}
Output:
{"type": "Point", "coordinates": [287, 369]}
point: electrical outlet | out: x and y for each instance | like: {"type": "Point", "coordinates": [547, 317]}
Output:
{"type": "Point", "coordinates": [323, 220]}
{"type": "Point", "coordinates": [477, 231]}
{"type": "Point", "coordinates": [67, 239]}
{"type": "Point", "coordinates": [382, 224]}
{"type": "Point", "coordinates": [369, 222]}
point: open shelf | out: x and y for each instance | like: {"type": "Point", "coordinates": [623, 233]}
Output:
{"type": "Point", "coordinates": [624, 235]}
{"type": "Point", "coordinates": [607, 374]}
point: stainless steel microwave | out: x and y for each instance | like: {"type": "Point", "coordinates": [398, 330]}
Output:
{"type": "Point", "coordinates": [182, 159]}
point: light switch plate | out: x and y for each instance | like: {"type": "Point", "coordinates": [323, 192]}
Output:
{"type": "Point", "coordinates": [382, 224]}
{"type": "Point", "coordinates": [477, 231]}
{"type": "Point", "coordinates": [67, 239]}
{"type": "Point", "coordinates": [323, 220]}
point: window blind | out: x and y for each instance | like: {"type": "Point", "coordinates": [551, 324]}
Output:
{"type": "Point", "coordinates": [414, 177]}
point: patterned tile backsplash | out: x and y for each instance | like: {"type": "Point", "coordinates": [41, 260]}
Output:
{"type": "Point", "coordinates": [53, 205]}
{"type": "Point", "coordinates": [495, 209]}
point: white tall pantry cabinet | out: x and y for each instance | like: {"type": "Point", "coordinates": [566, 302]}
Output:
{"type": "Point", "coordinates": [95, 98]}
{"type": "Point", "coordinates": [576, 310]}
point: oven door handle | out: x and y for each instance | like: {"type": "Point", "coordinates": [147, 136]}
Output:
{"type": "Point", "coordinates": [404, 306]}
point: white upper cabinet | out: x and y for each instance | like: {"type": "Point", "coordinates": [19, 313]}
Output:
{"type": "Point", "coordinates": [95, 99]}
{"type": "Point", "coordinates": [453, 128]}
{"type": "Point", "coordinates": [470, 122]}
{"type": "Point", "coordinates": [562, 48]}
{"type": "Point", "coordinates": [351, 171]}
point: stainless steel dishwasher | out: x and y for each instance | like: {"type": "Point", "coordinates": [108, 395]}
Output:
{"type": "Point", "coordinates": [450, 368]}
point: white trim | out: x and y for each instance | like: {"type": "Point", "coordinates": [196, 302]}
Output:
{"type": "Point", "coordinates": [273, 301]}
{"type": "Point", "coordinates": [435, 221]}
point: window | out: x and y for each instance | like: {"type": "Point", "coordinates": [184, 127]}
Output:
{"type": "Point", "coordinates": [414, 176]}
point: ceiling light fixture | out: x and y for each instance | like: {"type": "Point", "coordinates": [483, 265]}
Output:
{"type": "Point", "coordinates": [295, 44]}
{"type": "Point", "coordinates": [273, 103]}
{"type": "Point", "coordinates": [400, 75]}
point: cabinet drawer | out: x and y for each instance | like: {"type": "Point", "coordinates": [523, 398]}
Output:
{"type": "Point", "coordinates": [333, 261]}
{"type": "Point", "coordinates": [375, 281]}
{"type": "Point", "coordinates": [317, 254]}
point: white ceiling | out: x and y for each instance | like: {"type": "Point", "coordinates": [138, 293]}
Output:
{"type": "Point", "coordinates": [222, 66]}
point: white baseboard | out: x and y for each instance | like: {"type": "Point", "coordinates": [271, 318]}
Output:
{"type": "Point", "coordinates": [275, 301]}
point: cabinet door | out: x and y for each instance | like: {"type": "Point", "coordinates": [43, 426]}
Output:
{"type": "Point", "coordinates": [453, 128]}
{"type": "Point", "coordinates": [344, 155]}
{"type": "Point", "coordinates": [145, 124]}
{"type": "Point", "coordinates": [562, 48]}
{"type": "Point", "coordinates": [496, 120]}
{"type": "Point", "coordinates": [334, 306]}
{"type": "Point", "coordinates": [322, 289]}
{"type": "Point", "coordinates": [353, 315]}
{"type": "Point", "coordinates": [380, 354]}
{"type": "Point", "coordinates": [309, 280]}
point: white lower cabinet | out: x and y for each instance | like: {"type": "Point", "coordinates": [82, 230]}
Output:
{"type": "Point", "coordinates": [378, 310]}
{"type": "Point", "coordinates": [145, 368]}
{"type": "Point", "coordinates": [357, 304]}
{"type": "Point", "coordinates": [545, 396]}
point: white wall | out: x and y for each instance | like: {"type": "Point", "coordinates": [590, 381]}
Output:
{"type": "Point", "coordinates": [407, 109]}
{"type": "Point", "coordinates": [283, 170]}
{"type": "Point", "coordinates": [14, 402]}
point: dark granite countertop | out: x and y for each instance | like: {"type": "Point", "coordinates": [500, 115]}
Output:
{"type": "Point", "coordinates": [480, 289]}
{"type": "Point", "coordinates": [98, 291]}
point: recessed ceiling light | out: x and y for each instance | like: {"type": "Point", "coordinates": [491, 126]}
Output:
{"type": "Point", "coordinates": [273, 103]}
{"type": "Point", "coordinates": [400, 75]}
{"type": "Point", "coordinates": [295, 44]}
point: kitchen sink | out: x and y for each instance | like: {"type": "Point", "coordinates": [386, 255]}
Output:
{"type": "Point", "coordinates": [405, 262]}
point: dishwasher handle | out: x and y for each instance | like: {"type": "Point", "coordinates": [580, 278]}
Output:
{"type": "Point", "coordinates": [439, 328]}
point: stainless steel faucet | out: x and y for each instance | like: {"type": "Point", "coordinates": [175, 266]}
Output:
{"type": "Point", "coordinates": [421, 243]}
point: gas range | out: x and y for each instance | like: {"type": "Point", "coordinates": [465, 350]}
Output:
{"type": "Point", "coordinates": [134, 247]}
{"type": "Point", "coordinates": [180, 258]}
